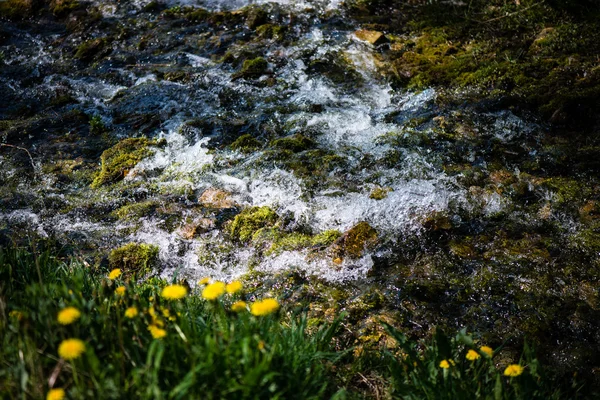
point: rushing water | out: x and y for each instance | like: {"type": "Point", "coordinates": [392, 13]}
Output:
{"type": "Point", "coordinates": [459, 223]}
{"type": "Point", "coordinates": [350, 121]}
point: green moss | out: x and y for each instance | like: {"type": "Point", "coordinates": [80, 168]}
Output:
{"type": "Point", "coordinates": [134, 258]}
{"type": "Point", "coordinates": [245, 144]}
{"type": "Point", "coordinates": [252, 69]}
{"type": "Point", "coordinates": [123, 156]}
{"type": "Point", "coordinates": [295, 143]}
{"type": "Point", "coordinates": [246, 223]}
{"type": "Point", "coordinates": [134, 210]}
{"type": "Point", "coordinates": [63, 7]}
{"type": "Point", "coordinates": [326, 238]}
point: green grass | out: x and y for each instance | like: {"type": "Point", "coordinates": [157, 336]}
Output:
{"type": "Point", "coordinates": [211, 352]}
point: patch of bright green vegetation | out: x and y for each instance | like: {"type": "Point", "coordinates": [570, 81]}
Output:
{"type": "Point", "coordinates": [137, 342]}
{"type": "Point", "coordinates": [250, 220]}
{"type": "Point", "coordinates": [123, 156]}
{"type": "Point", "coordinates": [134, 258]}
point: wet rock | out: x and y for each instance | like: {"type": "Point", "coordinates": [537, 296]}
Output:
{"type": "Point", "coordinates": [193, 229]}
{"type": "Point", "coordinates": [355, 241]}
{"type": "Point", "coordinates": [134, 258]}
{"type": "Point", "coordinates": [256, 17]}
{"type": "Point", "coordinates": [373, 37]}
{"type": "Point", "coordinates": [216, 198]}
{"type": "Point", "coordinates": [91, 49]}
{"type": "Point", "coordinates": [437, 221]}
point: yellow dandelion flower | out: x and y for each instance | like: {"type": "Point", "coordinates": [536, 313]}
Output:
{"type": "Point", "coordinates": [55, 394]}
{"type": "Point", "coordinates": [444, 364]}
{"type": "Point", "coordinates": [120, 290]}
{"type": "Point", "coordinates": [261, 345]}
{"type": "Point", "coordinates": [513, 370]}
{"type": "Point", "coordinates": [234, 287]}
{"type": "Point", "coordinates": [204, 281]}
{"type": "Point", "coordinates": [487, 350]}
{"type": "Point", "coordinates": [174, 292]}
{"type": "Point", "coordinates": [68, 315]}
{"type": "Point", "coordinates": [114, 274]}
{"type": "Point", "coordinates": [156, 332]}
{"type": "Point", "coordinates": [264, 307]}
{"type": "Point", "coordinates": [70, 349]}
{"type": "Point", "coordinates": [151, 298]}
{"type": "Point", "coordinates": [472, 355]}
{"type": "Point", "coordinates": [238, 306]}
{"type": "Point", "coordinates": [131, 312]}
{"type": "Point", "coordinates": [213, 291]}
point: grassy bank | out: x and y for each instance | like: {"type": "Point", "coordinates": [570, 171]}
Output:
{"type": "Point", "coordinates": [71, 333]}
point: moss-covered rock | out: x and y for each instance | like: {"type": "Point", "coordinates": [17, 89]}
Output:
{"type": "Point", "coordinates": [134, 258]}
{"type": "Point", "coordinates": [134, 210]}
{"type": "Point", "coordinates": [246, 144]}
{"type": "Point", "coordinates": [295, 143]}
{"type": "Point", "coordinates": [252, 69]}
{"type": "Point", "coordinates": [355, 241]}
{"type": "Point", "coordinates": [119, 159]}
{"type": "Point", "coordinates": [249, 221]}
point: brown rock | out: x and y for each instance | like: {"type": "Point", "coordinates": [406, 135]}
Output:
{"type": "Point", "coordinates": [189, 231]}
{"type": "Point", "coordinates": [216, 198]}
{"type": "Point", "coordinates": [373, 37]}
